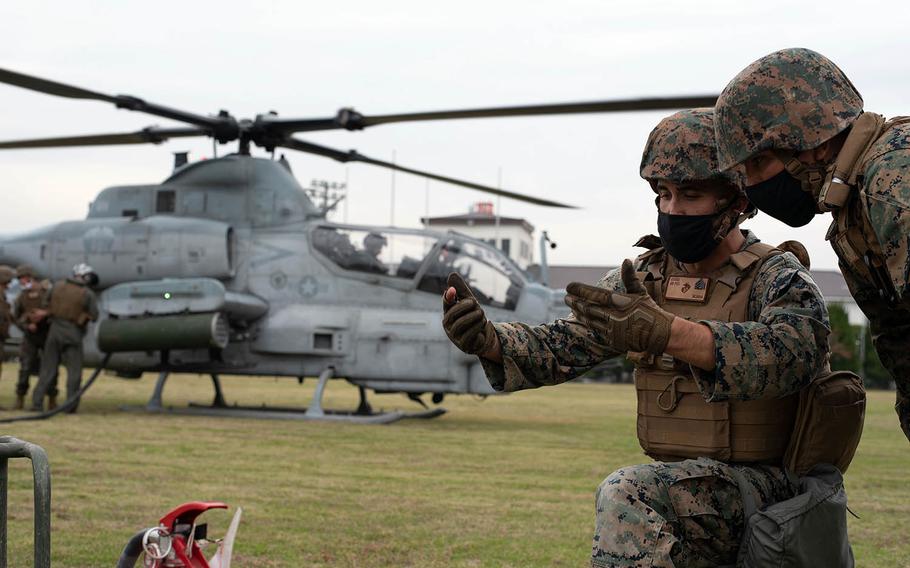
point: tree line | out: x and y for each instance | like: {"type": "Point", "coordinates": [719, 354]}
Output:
{"type": "Point", "coordinates": [852, 350]}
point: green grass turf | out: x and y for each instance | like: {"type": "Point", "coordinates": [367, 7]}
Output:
{"type": "Point", "coordinates": [506, 481]}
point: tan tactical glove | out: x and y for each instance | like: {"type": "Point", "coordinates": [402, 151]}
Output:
{"type": "Point", "coordinates": [464, 320]}
{"type": "Point", "coordinates": [629, 321]}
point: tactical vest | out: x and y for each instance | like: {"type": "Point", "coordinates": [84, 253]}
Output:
{"type": "Point", "coordinates": [27, 303]}
{"type": "Point", "coordinates": [31, 299]}
{"type": "Point", "coordinates": [851, 233]}
{"type": "Point", "coordinates": [6, 317]}
{"type": "Point", "coordinates": [675, 421]}
{"type": "Point", "coordinates": [68, 302]}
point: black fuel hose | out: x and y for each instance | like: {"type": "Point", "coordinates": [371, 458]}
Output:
{"type": "Point", "coordinates": [70, 403]}
{"type": "Point", "coordinates": [131, 551]}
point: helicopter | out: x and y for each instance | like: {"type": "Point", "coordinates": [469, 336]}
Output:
{"type": "Point", "coordinates": [228, 267]}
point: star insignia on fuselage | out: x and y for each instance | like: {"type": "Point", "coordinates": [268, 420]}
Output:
{"type": "Point", "coordinates": [309, 287]}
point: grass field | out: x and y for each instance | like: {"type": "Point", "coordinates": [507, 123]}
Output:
{"type": "Point", "coordinates": [507, 481]}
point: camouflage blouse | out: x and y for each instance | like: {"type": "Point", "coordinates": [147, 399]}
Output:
{"type": "Point", "coordinates": [777, 352]}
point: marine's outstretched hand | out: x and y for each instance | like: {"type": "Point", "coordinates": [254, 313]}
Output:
{"type": "Point", "coordinates": [464, 320]}
{"type": "Point", "coordinates": [629, 321]}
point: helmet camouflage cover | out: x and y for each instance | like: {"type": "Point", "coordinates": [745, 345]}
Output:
{"type": "Point", "coordinates": [6, 274]}
{"type": "Point", "coordinates": [681, 149]}
{"type": "Point", "coordinates": [793, 99]}
{"type": "Point", "coordinates": [25, 270]}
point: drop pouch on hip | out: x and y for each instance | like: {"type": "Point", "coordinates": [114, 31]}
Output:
{"type": "Point", "coordinates": [809, 530]}
{"type": "Point", "coordinates": [829, 422]}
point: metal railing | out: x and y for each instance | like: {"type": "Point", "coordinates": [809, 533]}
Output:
{"type": "Point", "coordinates": [13, 448]}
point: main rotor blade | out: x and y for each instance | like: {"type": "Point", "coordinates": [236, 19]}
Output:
{"type": "Point", "coordinates": [659, 103]}
{"type": "Point", "coordinates": [354, 156]}
{"type": "Point", "coordinates": [51, 87]}
{"type": "Point", "coordinates": [151, 135]}
{"type": "Point", "coordinates": [220, 125]}
{"type": "Point", "coordinates": [353, 120]}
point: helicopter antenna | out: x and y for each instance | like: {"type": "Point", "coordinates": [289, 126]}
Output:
{"type": "Point", "coordinates": [329, 192]}
{"type": "Point", "coordinates": [544, 265]}
{"type": "Point", "coordinates": [498, 242]}
{"type": "Point", "coordinates": [346, 172]}
{"type": "Point", "coordinates": [426, 205]}
{"type": "Point", "coordinates": [392, 194]}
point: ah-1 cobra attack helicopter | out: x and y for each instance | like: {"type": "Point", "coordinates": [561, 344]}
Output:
{"type": "Point", "coordinates": [227, 267]}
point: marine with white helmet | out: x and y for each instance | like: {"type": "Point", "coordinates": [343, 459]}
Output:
{"type": "Point", "coordinates": [71, 305]}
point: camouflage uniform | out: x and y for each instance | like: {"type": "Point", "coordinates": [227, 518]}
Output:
{"type": "Point", "coordinates": [679, 514]}
{"type": "Point", "coordinates": [795, 100]}
{"type": "Point", "coordinates": [783, 344]}
{"type": "Point", "coordinates": [887, 204]}
{"type": "Point", "coordinates": [78, 305]}
{"type": "Point", "coordinates": [6, 318]}
{"type": "Point", "coordinates": [28, 300]}
{"type": "Point", "coordinates": [686, 513]}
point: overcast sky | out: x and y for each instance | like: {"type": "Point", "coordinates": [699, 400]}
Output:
{"type": "Point", "coordinates": [307, 59]}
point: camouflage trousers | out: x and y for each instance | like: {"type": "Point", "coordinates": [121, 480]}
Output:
{"type": "Point", "coordinates": [30, 362]}
{"type": "Point", "coordinates": [678, 514]}
{"type": "Point", "coordinates": [63, 345]}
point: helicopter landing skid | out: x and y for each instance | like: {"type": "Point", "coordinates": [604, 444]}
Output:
{"type": "Point", "coordinates": [363, 415]}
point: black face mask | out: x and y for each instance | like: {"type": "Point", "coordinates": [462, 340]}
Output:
{"type": "Point", "coordinates": [688, 238]}
{"type": "Point", "coordinates": [783, 198]}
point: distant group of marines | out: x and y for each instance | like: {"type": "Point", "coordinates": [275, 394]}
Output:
{"type": "Point", "coordinates": [52, 318]}
{"type": "Point", "coordinates": [727, 333]}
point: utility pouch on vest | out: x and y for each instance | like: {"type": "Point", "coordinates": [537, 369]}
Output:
{"type": "Point", "coordinates": [809, 530]}
{"type": "Point", "coordinates": [842, 177]}
{"type": "Point", "coordinates": [829, 423]}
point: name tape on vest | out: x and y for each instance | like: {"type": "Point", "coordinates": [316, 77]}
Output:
{"type": "Point", "coordinates": [687, 288]}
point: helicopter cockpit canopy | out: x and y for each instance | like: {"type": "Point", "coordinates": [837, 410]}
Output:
{"type": "Point", "coordinates": [425, 258]}
{"type": "Point", "coordinates": [494, 279]}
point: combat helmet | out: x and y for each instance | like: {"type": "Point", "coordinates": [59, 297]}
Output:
{"type": "Point", "coordinates": [792, 100]}
{"type": "Point", "coordinates": [681, 149]}
{"type": "Point", "coordinates": [6, 274]}
{"type": "Point", "coordinates": [24, 270]}
{"type": "Point", "coordinates": [82, 269]}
